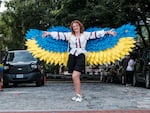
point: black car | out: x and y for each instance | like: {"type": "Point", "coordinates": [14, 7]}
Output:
{"type": "Point", "coordinates": [21, 67]}
{"type": "Point", "coordinates": [142, 69]}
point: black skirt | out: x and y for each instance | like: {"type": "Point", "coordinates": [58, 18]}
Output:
{"type": "Point", "coordinates": [76, 63]}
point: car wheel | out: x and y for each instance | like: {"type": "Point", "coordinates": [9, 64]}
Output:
{"type": "Point", "coordinates": [15, 84]}
{"type": "Point", "coordinates": [147, 79]}
{"type": "Point", "coordinates": [39, 82]}
{"type": "Point", "coordinates": [122, 79]}
{"type": "Point", "coordinates": [5, 83]}
{"type": "Point", "coordinates": [134, 80]}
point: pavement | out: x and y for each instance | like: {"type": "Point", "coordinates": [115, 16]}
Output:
{"type": "Point", "coordinates": [98, 111]}
{"type": "Point", "coordinates": [55, 97]}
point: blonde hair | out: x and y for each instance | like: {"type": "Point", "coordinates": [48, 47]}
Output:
{"type": "Point", "coordinates": [80, 24]}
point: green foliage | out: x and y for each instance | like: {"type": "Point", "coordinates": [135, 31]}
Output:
{"type": "Point", "coordinates": [41, 14]}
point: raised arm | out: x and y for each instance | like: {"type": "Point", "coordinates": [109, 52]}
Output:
{"type": "Point", "coordinates": [57, 35]}
{"type": "Point", "coordinates": [99, 34]}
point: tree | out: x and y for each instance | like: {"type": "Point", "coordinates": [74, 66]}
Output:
{"type": "Point", "coordinates": [20, 16]}
{"type": "Point", "coordinates": [41, 14]}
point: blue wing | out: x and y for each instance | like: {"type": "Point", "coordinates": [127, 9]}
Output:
{"type": "Point", "coordinates": [108, 41]}
{"type": "Point", "coordinates": [49, 43]}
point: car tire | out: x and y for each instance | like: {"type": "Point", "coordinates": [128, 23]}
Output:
{"type": "Point", "coordinates": [5, 83]}
{"type": "Point", "coordinates": [15, 84]}
{"type": "Point", "coordinates": [147, 79]}
{"type": "Point", "coordinates": [134, 80]}
{"type": "Point", "coordinates": [39, 82]}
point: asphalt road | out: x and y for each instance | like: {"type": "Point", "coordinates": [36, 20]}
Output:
{"type": "Point", "coordinates": [56, 96]}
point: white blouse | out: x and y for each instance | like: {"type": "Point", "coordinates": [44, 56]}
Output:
{"type": "Point", "coordinates": [77, 45]}
{"type": "Point", "coordinates": [130, 66]}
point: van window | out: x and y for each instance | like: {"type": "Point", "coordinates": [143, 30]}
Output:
{"type": "Point", "coordinates": [21, 56]}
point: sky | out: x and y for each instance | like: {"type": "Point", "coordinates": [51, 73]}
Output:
{"type": "Point", "coordinates": [2, 7]}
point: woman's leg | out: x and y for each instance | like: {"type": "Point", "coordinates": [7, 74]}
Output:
{"type": "Point", "coordinates": [127, 77]}
{"type": "Point", "coordinates": [76, 81]}
{"type": "Point", "coordinates": [131, 77]}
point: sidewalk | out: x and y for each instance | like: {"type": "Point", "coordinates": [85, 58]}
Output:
{"type": "Point", "coordinates": [55, 97]}
{"type": "Point", "coordinates": [99, 111]}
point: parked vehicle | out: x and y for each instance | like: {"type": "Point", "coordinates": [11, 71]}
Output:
{"type": "Point", "coordinates": [142, 69]}
{"type": "Point", "coordinates": [21, 67]}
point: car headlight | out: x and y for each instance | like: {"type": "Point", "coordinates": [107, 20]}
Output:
{"type": "Point", "coordinates": [34, 66]}
{"type": "Point", "coordinates": [6, 67]}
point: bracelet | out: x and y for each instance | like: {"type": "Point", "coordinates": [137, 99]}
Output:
{"type": "Point", "coordinates": [107, 32]}
{"type": "Point", "coordinates": [48, 34]}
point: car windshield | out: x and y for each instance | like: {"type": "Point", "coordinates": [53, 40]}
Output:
{"type": "Point", "coordinates": [20, 56]}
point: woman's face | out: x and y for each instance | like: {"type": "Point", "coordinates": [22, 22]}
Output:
{"type": "Point", "coordinates": [76, 27]}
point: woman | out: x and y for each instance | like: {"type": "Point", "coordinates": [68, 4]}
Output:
{"type": "Point", "coordinates": [77, 43]}
{"type": "Point", "coordinates": [130, 70]}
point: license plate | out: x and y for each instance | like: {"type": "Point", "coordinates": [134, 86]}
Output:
{"type": "Point", "coordinates": [19, 76]}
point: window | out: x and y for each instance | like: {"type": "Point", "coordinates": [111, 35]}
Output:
{"type": "Point", "coordinates": [20, 56]}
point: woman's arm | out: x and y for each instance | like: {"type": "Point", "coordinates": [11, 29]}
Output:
{"type": "Point", "coordinates": [57, 35]}
{"type": "Point", "coordinates": [98, 34]}
{"type": "Point", "coordinates": [111, 32]}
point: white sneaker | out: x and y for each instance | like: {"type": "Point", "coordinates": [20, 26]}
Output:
{"type": "Point", "coordinates": [77, 98]}
{"type": "Point", "coordinates": [74, 98]}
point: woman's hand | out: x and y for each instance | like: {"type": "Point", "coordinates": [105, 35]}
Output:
{"type": "Point", "coordinates": [112, 32]}
{"type": "Point", "coordinates": [45, 34]}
